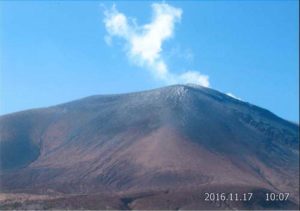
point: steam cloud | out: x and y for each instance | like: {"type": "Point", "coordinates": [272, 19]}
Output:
{"type": "Point", "coordinates": [144, 43]}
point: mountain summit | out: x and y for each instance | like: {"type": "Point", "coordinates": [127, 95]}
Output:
{"type": "Point", "coordinates": [157, 149]}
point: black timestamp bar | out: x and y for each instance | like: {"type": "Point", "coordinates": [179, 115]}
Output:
{"type": "Point", "coordinates": [228, 196]}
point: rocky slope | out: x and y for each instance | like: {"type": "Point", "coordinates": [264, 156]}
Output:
{"type": "Point", "coordinates": [144, 150]}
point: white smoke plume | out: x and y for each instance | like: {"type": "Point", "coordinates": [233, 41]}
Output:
{"type": "Point", "coordinates": [144, 43]}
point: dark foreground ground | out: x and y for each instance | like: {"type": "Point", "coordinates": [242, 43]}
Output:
{"type": "Point", "coordinates": [152, 200]}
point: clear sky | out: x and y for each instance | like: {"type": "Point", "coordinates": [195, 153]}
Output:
{"type": "Point", "coordinates": [54, 52]}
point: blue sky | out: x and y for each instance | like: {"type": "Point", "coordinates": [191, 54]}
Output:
{"type": "Point", "coordinates": [54, 52]}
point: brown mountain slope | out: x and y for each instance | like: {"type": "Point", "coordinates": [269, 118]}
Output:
{"type": "Point", "coordinates": [144, 149]}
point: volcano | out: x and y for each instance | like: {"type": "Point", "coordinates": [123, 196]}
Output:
{"type": "Point", "coordinates": [167, 148]}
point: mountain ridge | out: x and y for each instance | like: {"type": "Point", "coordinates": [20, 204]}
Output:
{"type": "Point", "coordinates": [187, 86]}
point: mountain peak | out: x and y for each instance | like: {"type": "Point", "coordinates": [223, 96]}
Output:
{"type": "Point", "coordinates": [171, 138]}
